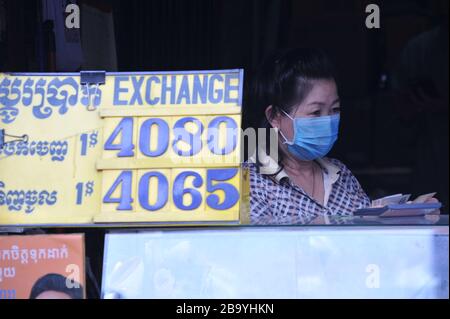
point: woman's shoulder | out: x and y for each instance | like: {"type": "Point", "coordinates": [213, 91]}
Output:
{"type": "Point", "coordinates": [252, 169]}
{"type": "Point", "coordinates": [256, 177]}
{"type": "Point", "coordinates": [339, 165]}
{"type": "Point", "coordinates": [345, 174]}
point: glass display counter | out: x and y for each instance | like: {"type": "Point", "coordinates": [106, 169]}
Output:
{"type": "Point", "coordinates": [344, 258]}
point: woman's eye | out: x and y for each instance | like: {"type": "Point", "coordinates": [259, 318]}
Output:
{"type": "Point", "coordinates": [316, 113]}
{"type": "Point", "coordinates": [337, 110]}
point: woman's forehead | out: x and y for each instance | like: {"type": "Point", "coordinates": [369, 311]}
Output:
{"type": "Point", "coordinates": [322, 89]}
{"type": "Point", "coordinates": [322, 93]}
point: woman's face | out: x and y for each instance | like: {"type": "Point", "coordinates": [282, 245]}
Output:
{"type": "Point", "coordinates": [322, 100]}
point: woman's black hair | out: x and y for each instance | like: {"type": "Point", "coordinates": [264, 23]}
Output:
{"type": "Point", "coordinates": [55, 282]}
{"type": "Point", "coordinates": [285, 79]}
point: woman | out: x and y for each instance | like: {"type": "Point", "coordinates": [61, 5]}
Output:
{"type": "Point", "coordinates": [298, 92]}
{"type": "Point", "coordinates": [299, 96]}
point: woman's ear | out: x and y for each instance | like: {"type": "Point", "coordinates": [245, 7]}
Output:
{"type": "Point", "coordinates": [273, 119]}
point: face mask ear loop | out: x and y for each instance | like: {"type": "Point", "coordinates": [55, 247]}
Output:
{"type": "Point", "coordinates": [287, 115]}
{"type": "Point", "coordinates": [286, 141]}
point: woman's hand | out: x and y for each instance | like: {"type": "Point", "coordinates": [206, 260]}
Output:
{"type": "Point", "coordinates": [433, 200]}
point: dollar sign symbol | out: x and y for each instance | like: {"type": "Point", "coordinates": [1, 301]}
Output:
{"type": "Point", "coordinates": [93, 139]}
{"type": "Point", "coordinates": [89, 188]}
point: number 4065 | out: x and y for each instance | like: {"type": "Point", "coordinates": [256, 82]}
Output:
{"type": "Point", "coordinates": [215, 181]}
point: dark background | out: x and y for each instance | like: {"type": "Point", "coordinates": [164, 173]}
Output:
{"type": "Point", "coordinates": [380, 134]}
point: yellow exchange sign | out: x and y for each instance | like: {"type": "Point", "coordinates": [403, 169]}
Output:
{"type": "Point", "coordinates": [140, 147]}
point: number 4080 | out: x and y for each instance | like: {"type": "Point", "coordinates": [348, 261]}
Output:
{"type": "Point", "coordinates": [126, 146]}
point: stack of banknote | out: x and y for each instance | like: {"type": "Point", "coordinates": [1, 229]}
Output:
{"type": "Point", "coordinates": [401, 199]}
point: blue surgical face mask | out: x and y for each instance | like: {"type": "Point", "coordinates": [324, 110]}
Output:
{"type": "Point", "coordinates": [314, 137]}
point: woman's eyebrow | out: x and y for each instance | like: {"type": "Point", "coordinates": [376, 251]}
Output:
{"type": "Point", "coordinates": [322, 103]}
{"type": "Point", "coordinates": [336, 101]}
{"type": "Point", "coordinates": [316, 103]}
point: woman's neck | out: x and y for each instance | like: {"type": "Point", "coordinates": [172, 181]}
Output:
{"type": "Point", "coordinates": [295, 166]}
